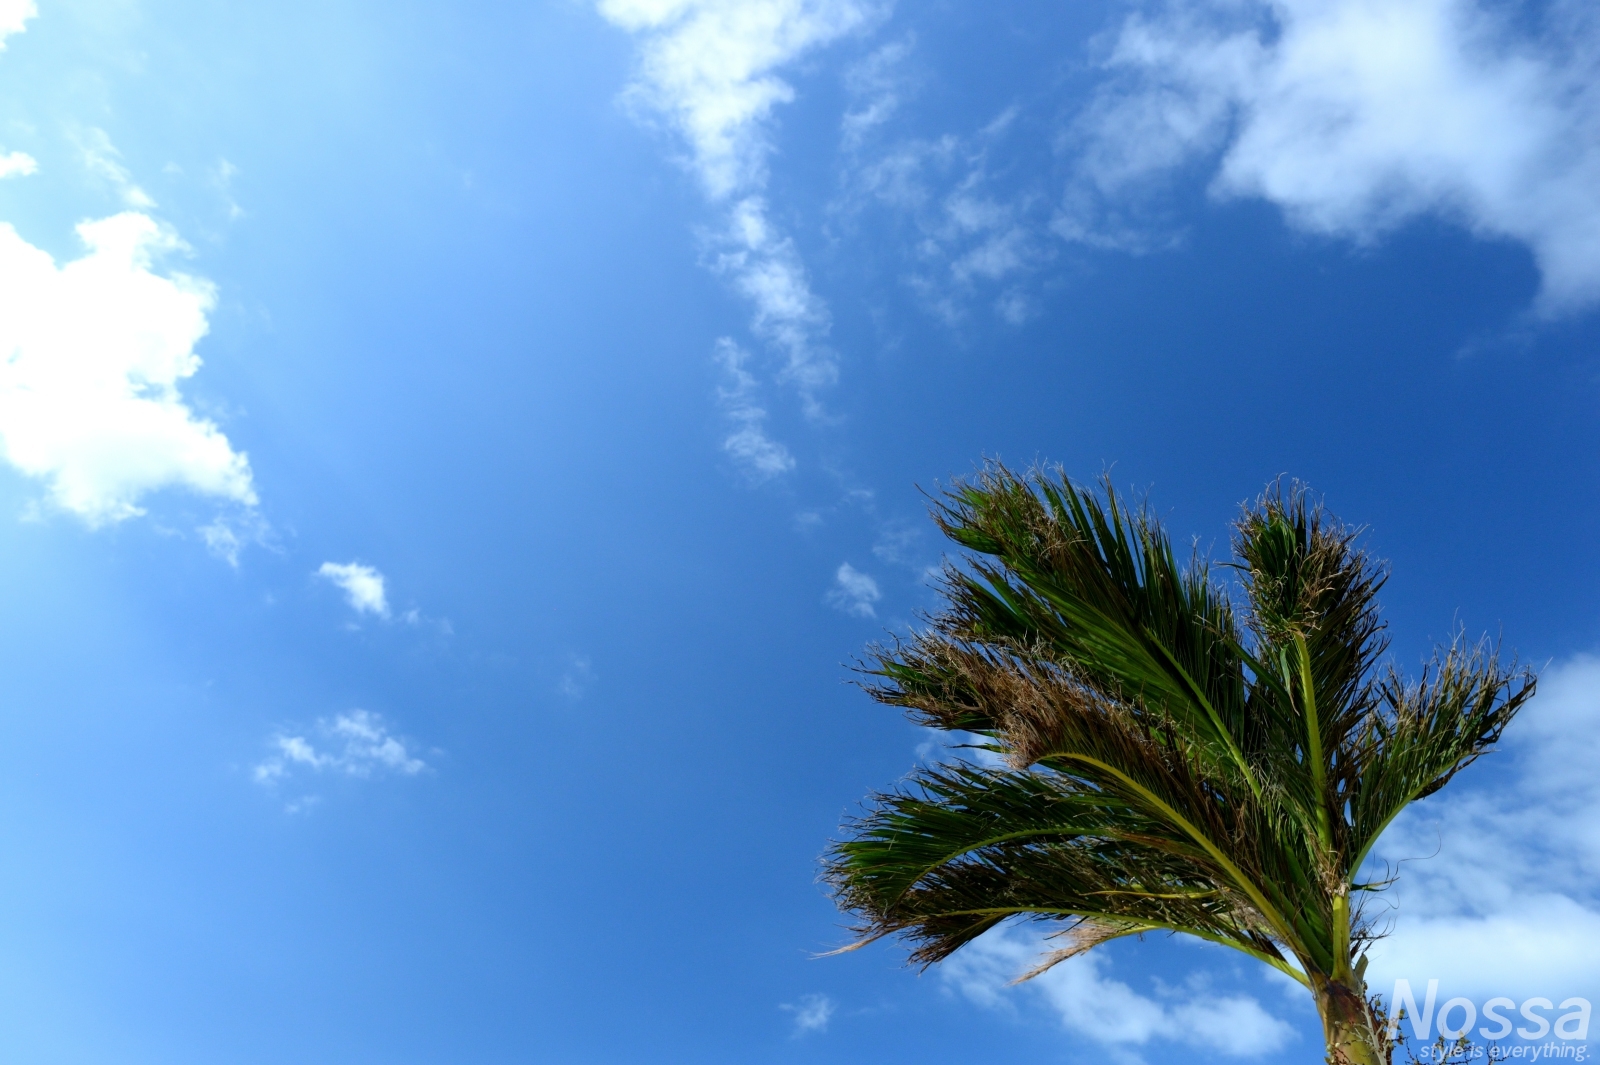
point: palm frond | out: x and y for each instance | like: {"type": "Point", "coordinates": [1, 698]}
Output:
{"type": "Point", "coordinates": [1096, 589]}
{"type": "Point", "coordinates": [963, 848]}
{"type": "Point", "coordinates": [1426, 732]}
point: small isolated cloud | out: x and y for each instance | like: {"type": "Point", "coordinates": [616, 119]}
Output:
{"type": "Point", "coordinates": [1091, 1004]}
{"type": "Point", "coordinates": [91, 356]}
{"type": "Point", "coordinates": [811, 1013]}
{"type": "Point", "coordinates": [357, 744]}
{"type": "Point", "coordinates": [362, 586]}
{"type": "Point", "coordinates": [757, 453]}
{"type": "Point", "coordinates": [1356, 116]}
{"type": "Point", "coordinates": [854, 592]}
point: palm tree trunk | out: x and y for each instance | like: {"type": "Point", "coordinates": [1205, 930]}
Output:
{"type": "Point", "coordinates": [1347, 1024]}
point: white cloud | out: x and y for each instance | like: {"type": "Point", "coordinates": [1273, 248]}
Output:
{"type": "Point", "coordinates": [357, 744]}
{"type": "Point", "coordinates": [363, 586]}
{"type": "Point", "coordinates": [1091, 1004]}
{"type": "Point", "coordinates": [1355, 116]}
{"type": "Point", "coordinates": [17, 164]}
{"type": "Point", "coordinates": [14, 15]}
{"type": "Point", "coordinates": [1498, 876]}
{"type": "Point", "coordinates": [709, 68]}
{"type": "Point", "coordinates": [811, 1013]}
{"type": "Point", "coordinates": [749, 444]}
{"type": "Point", "coordinates": [854, 592]}
{"type": "Point", "coordinates": [91, 356]}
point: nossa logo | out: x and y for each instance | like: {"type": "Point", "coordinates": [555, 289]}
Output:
{"type": "Point", "coordinates": [1571, 1025]}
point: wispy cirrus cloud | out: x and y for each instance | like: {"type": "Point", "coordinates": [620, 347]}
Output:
{"type": "Point", "coordinates": [101, 158]}
{"type": "Point", "coordinates": [355, 744]}
{"type": "Point", "coordinates": [709, 69]}
{"type": "Point", "coordinates": [974, 235]}
{"type": "Point", "coordinates": [749, 443]}
{"type": "Point", "coordinates": [878, 87]}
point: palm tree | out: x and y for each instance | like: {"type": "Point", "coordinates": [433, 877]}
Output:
{"type": "Point", "coordinates": [1171, 760]}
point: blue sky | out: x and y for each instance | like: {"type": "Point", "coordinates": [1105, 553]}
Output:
{"type": "Point", "coordinates": [451, 455]}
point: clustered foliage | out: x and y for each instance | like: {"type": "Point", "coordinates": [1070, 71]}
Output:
{"type": "Point", "coordinates": [1173, 760]}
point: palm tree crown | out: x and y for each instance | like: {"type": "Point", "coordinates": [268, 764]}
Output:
{"type": "Point", "coordinates": [1173, 760]}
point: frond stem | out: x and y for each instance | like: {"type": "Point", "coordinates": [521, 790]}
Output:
{"type": "Point", "coordinates": [1216, 719]}
{"type": "Point", "coordinates": [1268, 910]}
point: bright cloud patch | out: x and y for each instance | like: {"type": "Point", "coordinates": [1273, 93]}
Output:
{"type": "Point", "coordinates": [357, 744]}
{"type": "Point", "coordinates": [811, 1014]}
{"type": "Point", "coordinates": [854, 592]}
{"type": "Point", "coordinates": [91, 355]}
{"type": "Point", "coordinates": [362, 585]}
{"type": "Point", "coordinates": [17, 164]}
{"type": "Point", "coordinates": [1357, 115]}
{"type": "Point", "coordinates": [710, 67]}
{"type": "Point", "coordinates": [14, 15]}
{"type": "Point", "coordinates": [1497, 892]}
{"type": "Point", "coordinates": [1108, 1011]}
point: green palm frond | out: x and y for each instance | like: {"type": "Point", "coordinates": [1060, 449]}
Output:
{"type": "Point", "coordinates": [1097, 589]}
{"type": "Point", "coordinates": [1427, 731]}
{"type": "Point", "coordinates": [963, 848]}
